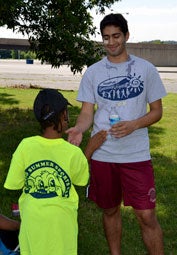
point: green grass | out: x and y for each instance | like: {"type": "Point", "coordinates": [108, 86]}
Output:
{"type": "Point", "coordinates": [17, 121]}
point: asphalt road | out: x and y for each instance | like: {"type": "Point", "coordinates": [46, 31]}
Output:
{"type": "Point", "coordinates": [18, 73]}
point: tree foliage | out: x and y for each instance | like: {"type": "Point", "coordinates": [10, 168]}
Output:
{"type": "Point", "coordinates": [58, 30]}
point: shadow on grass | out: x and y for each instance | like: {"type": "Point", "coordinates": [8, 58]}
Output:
{"type": "Point", "coordinates": [91, 235]}
{"type": "Point", "coordinates": [16, 124]}
{"type": "Point", "coordinates": [7, 99]}
{"type": "Point", "coordinates": [154, 134]}
{"type": "Point", "coordinates": [165, 169]}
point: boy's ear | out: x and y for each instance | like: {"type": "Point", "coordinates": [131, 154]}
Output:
{"type": "Point", "coordinates": [65, 116]}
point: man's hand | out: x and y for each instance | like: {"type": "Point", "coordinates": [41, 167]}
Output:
{"type": "Point", "coordinates": [83, 123]}
{"type": "Point", "coordinates": [122, 128]}
{"type": "Point", "coordinates": [74, 135]}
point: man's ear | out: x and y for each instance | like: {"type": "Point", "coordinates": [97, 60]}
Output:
{"type": "Point", "coordinates": [127, 36]}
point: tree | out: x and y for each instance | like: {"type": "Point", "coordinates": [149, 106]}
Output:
{"type": "Point", "coordinates": [58, 30]}
{"type": "Point", "coordinates": [27, 55]}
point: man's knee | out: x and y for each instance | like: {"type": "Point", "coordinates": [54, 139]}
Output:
{"type": "Point", "coordinates": [111, 211]}
{"type": "Point", "coordinates": [147, 218]}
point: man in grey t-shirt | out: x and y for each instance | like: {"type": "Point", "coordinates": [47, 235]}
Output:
{"type": "Point", "coordinates": [121, 169]}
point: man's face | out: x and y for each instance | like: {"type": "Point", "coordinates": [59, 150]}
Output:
{"type": "Point", "coordinates": [114, 41]}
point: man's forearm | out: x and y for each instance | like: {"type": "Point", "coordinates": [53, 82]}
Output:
{"type": "Point", "coordinates": [85, 118]}
{"type": "Point", "coordinates": [150, 118]}
{"type": "Point", "coordinates": [84, 122]}
{"type": "Point", "coordinates": [146, 121]}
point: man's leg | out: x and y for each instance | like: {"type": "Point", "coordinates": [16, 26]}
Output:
{"type": "Point", "coordinates": [113, 229]}
{"type": "Point", "coordinates": [151, 231]}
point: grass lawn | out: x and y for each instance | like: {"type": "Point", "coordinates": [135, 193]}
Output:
{"type": "Point", "coordinates": [17, 121]}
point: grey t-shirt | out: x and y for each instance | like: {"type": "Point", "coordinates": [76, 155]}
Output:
{"type": "Point", "coordinates": [128, 87]}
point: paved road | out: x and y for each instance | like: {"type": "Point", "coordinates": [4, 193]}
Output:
{"type": "Point", "coordinates": [18, 73]}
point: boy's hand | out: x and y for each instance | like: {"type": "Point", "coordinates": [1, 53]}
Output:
{"type": "Point", "coordinates": [94, 143]}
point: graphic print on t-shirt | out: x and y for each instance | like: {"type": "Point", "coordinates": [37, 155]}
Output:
{"type": "Point", "coordinates": [121, 88]}
{"type": "Point", "coordinates": [45, 179]}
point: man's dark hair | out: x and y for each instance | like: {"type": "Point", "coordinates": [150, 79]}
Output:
{"type": "Point", "coordinates": [116, 20]}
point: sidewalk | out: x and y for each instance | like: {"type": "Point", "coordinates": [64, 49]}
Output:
{"type": "Point", "coordinates": [18, 73]}
{"type": "Point", "coordinates": [169, 78]}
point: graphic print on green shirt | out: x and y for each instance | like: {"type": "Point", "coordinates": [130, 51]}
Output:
{"type": "Point", "coordinates": [45, 179]}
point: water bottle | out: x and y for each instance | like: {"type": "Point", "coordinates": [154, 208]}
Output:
{"type": "Point", "coordinates": [113, 119]}
{"type": "Point", "coordinates": [114, 116]}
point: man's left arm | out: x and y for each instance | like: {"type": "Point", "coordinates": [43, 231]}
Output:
{"type": "Point", "coordinates": [124, 128]}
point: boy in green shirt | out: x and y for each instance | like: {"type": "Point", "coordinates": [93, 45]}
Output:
{"type": "Point", "coordinates": [47, 167]}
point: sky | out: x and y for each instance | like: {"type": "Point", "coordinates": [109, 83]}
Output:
{"type": "Point", "coordinates": [147, 20]}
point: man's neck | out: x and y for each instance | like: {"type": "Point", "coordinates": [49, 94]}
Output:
{"type": "Point", "coordinates": [118, 59]}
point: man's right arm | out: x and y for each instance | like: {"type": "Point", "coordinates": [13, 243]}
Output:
{"type": "Point", "coordinates": [83, 123]}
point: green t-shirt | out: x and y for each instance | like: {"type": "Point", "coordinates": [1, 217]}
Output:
{"type": "Point", "coordinates": [47, 170]}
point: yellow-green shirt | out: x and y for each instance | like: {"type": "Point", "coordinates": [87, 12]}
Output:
{"type": "Point", "coordinates": [47, 170]}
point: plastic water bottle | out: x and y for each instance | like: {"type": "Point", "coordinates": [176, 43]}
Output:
{"type": "Point", "coordinates": [114, 116]}
{"type": "Point", "coordinates": [113, 119]}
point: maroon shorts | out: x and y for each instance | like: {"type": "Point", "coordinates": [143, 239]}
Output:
{"type": "Point", "coordinates": [110, 183]}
